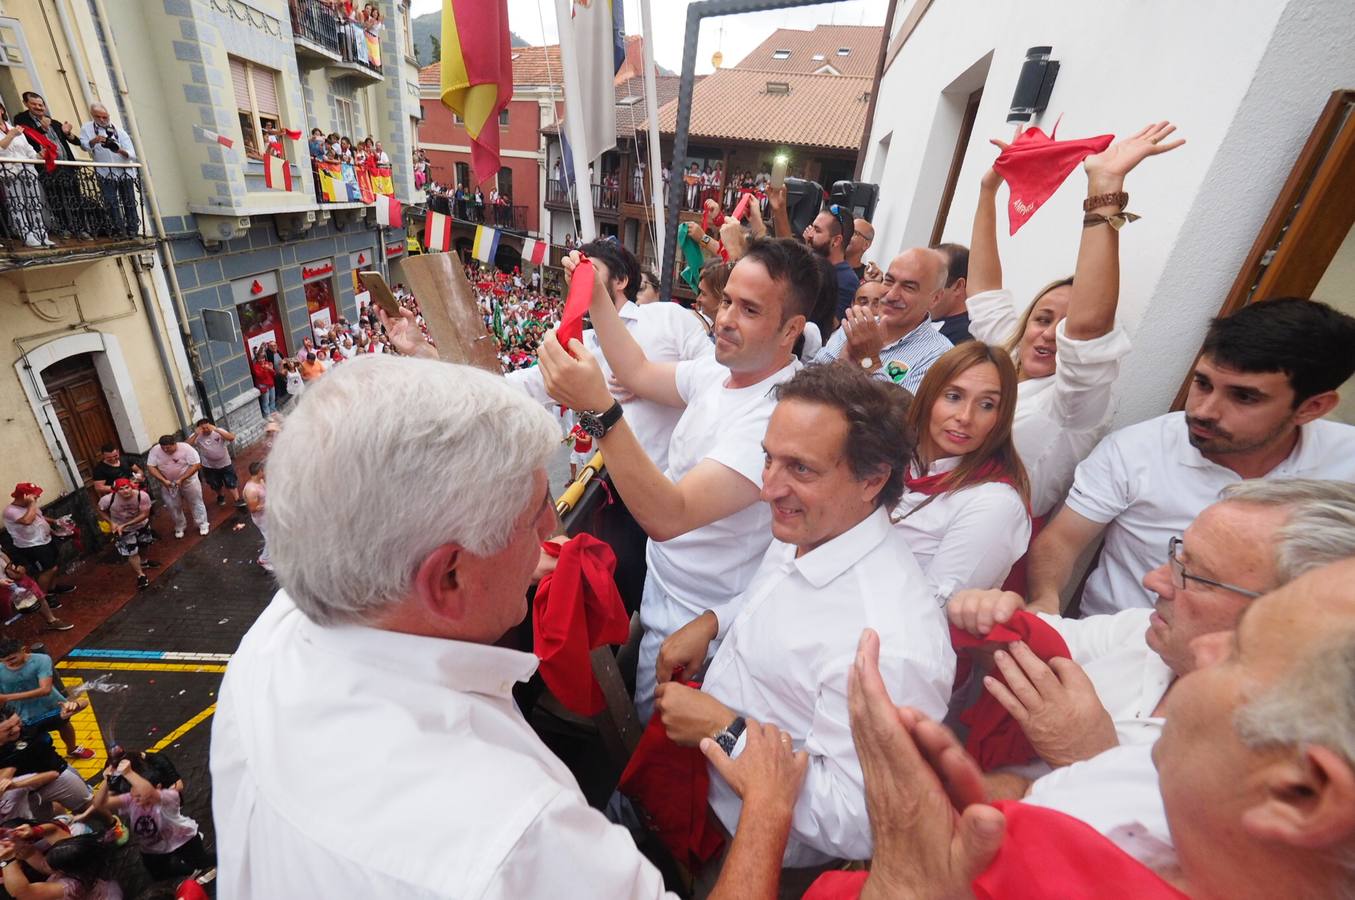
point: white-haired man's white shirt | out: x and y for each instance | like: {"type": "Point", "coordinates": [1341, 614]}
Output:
{"type": "Point", "coordinates": [352, 762]}
{"type": "Point", "coordinates": [668, 332]}
{"type": "Point", "coordinates": [706, 568]}
{"type": "Point", "coordinates": [785, 656]}
{"type": "Point", "coordinates": [1147, 483]}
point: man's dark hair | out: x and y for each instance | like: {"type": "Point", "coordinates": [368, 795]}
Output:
{"type": "Point", "coordinates": [203, 421]}
{"type": "Point", "coordinates": [167, 440]}
{"type": "Point", "coordinates": [28, 95]}
{"type": "Point", "coordinates": [846, 223]}
{"type": "Point", "coordinates": [957, 261]}
{"type": "Point", "coordinates": [9, 647]}
{"type": "Point", "coordinates": [878, 436]}
{"type": "Point", "coordinates": [1307, 340]}
{"type": "Point", "coordinates": [256, 467]}
{"type": "Point", "coordinates": [108, 448]}
{"type": "Point", "coordinates": [620, 261]}
{"type": "Point", "coordinates": [793, 264]}
{"type": "Point", "coordinates": [84, 857]}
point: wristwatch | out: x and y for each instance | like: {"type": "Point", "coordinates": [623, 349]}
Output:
{"type": "Point", "coordinates": [867, 363]}
{"type": "Point", "coordinates": [730, 735]}
{"type": "Point", "coordinates": [596, 424]}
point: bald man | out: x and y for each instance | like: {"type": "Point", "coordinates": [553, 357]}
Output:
{"type": "Point", "coordinates": [106, 143]}
{"type": "Point", "coordinates": [863, 235]}
{"type": "Point", "coordinates": [898, 343]}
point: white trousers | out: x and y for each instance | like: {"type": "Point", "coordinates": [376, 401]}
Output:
{"type": "Point", "coordinates": [191, 493]}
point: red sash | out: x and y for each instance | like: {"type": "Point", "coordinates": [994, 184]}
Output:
{"type": "Point", "coordinates": [49, 149]}
{"type": "Point", "coordinates": [1046, 855]}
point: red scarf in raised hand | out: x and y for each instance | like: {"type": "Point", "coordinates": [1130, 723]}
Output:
{"type": "Point", "coordinates": [995, 738]}
{"type": "Point", "coordinates": [50, 152]}
{"type": "Point", "coordinates": [576, 304]}
{"type": "Point", "coordinates": [1034, 165]}
{"type": "Point", "coordinates": [576, 609]}
{"type": "Point", "coordinates": [1046, 855]}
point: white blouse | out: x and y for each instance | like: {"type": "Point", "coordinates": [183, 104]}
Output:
{"type": "Point", "coordinates": [1059, 418]}
{"type": "Point", "coordinates": [967, 538]}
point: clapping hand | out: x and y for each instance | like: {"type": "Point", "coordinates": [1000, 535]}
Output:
{"type": "Point", "coordinates": [865, 334]}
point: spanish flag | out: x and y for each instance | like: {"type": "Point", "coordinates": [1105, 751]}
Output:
{"type": "Point", "coordinates": [477, 74]}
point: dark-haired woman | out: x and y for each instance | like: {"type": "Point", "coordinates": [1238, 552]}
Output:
{"type": "Point", "coordinates": [79, 871]}
{"type": "Point", "coordinates": [1066, 345]}
{"type": "Point", "coordinates": [965, 507]}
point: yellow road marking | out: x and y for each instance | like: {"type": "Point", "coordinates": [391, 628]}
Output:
{"type": "Point", "coordinates": [87, 734]}
{"type": "Point", "coordinates": [182, 730]}
{"type": "Point", "coordinates": [99, 666]}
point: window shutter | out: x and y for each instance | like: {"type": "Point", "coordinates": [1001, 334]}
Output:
{"type": "Point", "coordinates": [266, 91]}
{"type": "Point", "coordinates": [240, 79]}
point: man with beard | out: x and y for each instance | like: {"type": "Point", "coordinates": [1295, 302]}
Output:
{"type": "Point", "coordinates": [828, 236]}
{"type": "Point", "coordinates": [1266, 376]}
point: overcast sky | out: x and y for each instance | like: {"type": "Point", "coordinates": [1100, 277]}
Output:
{"type": "Point", "coordinates": [734, 36]}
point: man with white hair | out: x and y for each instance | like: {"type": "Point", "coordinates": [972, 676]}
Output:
{"type": "Point", "coordinates": [1256, 765]}
{"type": "Point", "coordinates": [1093, 718]}
{"type": "Point", "coordinates": [387, 626]}
{"type": "Point", "coordinates": [106, 143]}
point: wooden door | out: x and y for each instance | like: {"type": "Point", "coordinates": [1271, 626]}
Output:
{"type": "Point", "coordinates": [81, 409]}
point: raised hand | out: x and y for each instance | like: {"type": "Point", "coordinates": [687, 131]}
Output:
{"type": "Point", "coordinates": [991, 178]}
{"type": "Point", "coordinates": [865, 334]}
{"type": "Point", "coordinates": [1119, 159]}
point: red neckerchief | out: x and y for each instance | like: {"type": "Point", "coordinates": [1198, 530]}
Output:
{"type": "Point", "coordinates": [49, 149]}
{"type": "Point", "coordinates": [934, 484]}
{"type": "Point", "coordinates": [576, 304]}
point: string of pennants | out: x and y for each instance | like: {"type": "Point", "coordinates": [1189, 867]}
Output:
{"type": "Point", "coordinates": [338, 182]}
{"type": "Point", "coordinates": [437, 235]}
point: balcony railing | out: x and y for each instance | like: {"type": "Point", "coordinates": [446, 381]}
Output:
{"type": "Point", "coordinates": [77, 206]}
{"type": "Point", "coordinates": [316, 23]}
{"type": "Point", "coordinates": [605, 197]}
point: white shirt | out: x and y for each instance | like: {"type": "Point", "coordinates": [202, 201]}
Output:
{"type": "Point", "coordinates": [1059, 418]}
{"type": "Point", "coordinates": [1146, 483]}
{"type": "Point", "coordinates": [352, 762]}
{"type": "Point", "coordinates": [668, 333]}
{"type": "Point", "coordinates": [967, 538]}
{"type": "Point", "coordinates": [100, 153]}
{"type": "Point", "coordinates": [785, 659]}
{"type": "Point", "coordinates": [1117, 793]}
{"type": "Point", "coordinates": [709, 566]}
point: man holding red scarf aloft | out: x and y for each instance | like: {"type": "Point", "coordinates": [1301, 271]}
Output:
{"type": "Point", "coordinates": [52, 139]}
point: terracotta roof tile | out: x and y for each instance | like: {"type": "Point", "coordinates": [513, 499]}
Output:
{"type": "Point", "coordinates": [734, 104]}
{"type": "Point", "coordinates": [862, 43]}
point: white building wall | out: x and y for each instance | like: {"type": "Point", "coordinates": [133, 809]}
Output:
{"type": "Point", "coordinates": [1245, 82]}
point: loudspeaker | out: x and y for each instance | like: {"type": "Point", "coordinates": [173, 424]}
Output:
{"type": "Point", "coordinates": [857, 196]}
{"type": "Point", "coordinates": [1034, 86]}
{"type": "Point", "coordinates": [804, 199]}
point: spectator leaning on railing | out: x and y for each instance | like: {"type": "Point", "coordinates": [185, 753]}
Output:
{"type": "Point", "coordinates": [106, 143]}
{"type": "Point", "coordinates": [23, 218]}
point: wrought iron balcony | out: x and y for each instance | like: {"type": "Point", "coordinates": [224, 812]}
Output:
{"type": "Point", "coordinates": [78, 208]}
{"type": "Point", "coordinates": [605, 197]}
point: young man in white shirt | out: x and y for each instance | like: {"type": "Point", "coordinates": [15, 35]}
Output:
{"type": "Point", "coordinates": [836, 449]}
{"type": "Point", "coordinates": [1094, 717]}
{"type": "Point", "coordinates": [666, 332]}
{"type": "Point", "coordinates": [1266, 376]}
{"type": "Point", "coordinates": [707, 528]}
{"type": "Point", "coordinates": [405, 653]}
{"type": "Point", "coordinates": [176, 465]}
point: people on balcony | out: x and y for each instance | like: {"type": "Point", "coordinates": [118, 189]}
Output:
{"type": "Point", "coordinates": [106, 143]}
{"type": "Point", "coordinates": [22, 192]}
{"type": "Point", "coordinates": [52, 141]}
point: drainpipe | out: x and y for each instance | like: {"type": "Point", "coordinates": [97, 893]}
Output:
{"type": "Point", "coordinates": [73, 48]}
{"type": "Point", "coordinates": [102, 20]}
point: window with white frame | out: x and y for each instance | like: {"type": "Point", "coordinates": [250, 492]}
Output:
{"type": "Point", "coordinates": [17, 74]}
{"type": "Point", "coordinates": [256, 102]}
{"type": "Point", "coordinates": [344, 111]}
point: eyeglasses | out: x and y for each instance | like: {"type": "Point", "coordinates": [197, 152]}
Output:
{"type": "Point", "coordinates": [844, 218]}
{"type": "Point", "coordinates": [1180, 576]}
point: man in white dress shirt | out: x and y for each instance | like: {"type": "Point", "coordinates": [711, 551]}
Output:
{"type": "Point", "coordinates": [1093, 718]}
{"type": "Point", "coordinates": [665, 331]}
{"type": "Point", "coordinates": [1256, 765]}
{"type": "Point", "coordinates": [1266, 376]}
{"type": "Point", "coordinates": [836, 450]}
{"type": "Point", "coordinates": [707, 527]}
{"type": "Point", "coordinates": [386, 627]}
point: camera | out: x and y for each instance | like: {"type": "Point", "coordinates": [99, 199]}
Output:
{"type": "Point", "coordinates": [110, 142]}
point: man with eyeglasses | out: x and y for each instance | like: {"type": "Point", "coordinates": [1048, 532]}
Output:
{"type": "Point", "coordinates": [106, 143]}
{"type": "Point", "coordinates": [1094, 718]}
{"type": "Point", "coordinates": [828, 236]}
{"type": "Point", "coordinates": [897, 342]}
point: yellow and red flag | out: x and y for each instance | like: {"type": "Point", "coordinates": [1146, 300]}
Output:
{"type": "Point", "coordinates": [477, 74]}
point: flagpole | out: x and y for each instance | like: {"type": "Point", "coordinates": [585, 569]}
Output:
{"type": "Point", "coordinates": [574, 121]}
{"type": "Point", "coordinates": [656, 196]}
